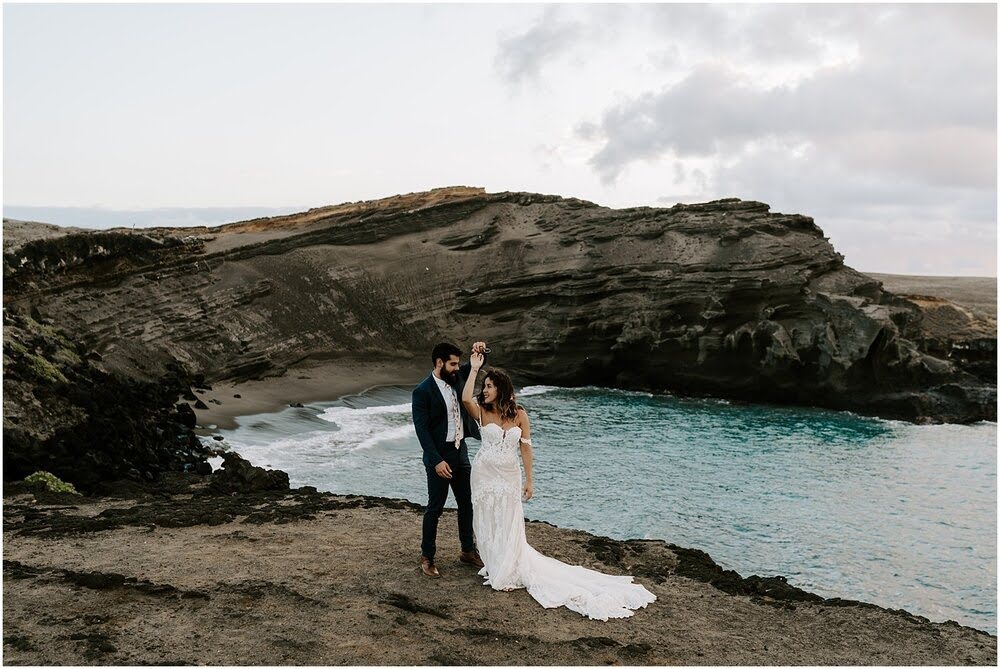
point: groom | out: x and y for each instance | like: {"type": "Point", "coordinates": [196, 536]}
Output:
{"type": "Point", "coordinates": [442, 424]}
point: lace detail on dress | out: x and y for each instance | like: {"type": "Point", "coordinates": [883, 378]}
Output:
{"type": "Point", "coordinates": [497, 489]}
{"type": "Point", "coordinates": [499, 445]}
{"type": "Point", "coordinates": [498, 520]}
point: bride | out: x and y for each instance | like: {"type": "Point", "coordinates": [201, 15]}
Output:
{"type": "Point", "coordinates": [498, 518]}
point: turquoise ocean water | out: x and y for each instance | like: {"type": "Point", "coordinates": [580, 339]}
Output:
{"type": "Point", "coordinates": [899, 515]}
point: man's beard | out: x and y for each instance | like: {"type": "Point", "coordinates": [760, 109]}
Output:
{"type": "Point", "coordinates": [450, 378]}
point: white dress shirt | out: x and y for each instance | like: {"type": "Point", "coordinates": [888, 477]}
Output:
{"type": "Point", "coordinates": [454, 413]}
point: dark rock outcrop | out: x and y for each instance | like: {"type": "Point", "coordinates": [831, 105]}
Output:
{"type": "Point", "coordinates": [949, 331]}
{"type": "Point", "coordinates": [96, 255]}
{"type": "Point", "coordinates": [238, 475]}
{"type": "Point", "coordinates": [85, 425]}
{"type": "Point", "coordinates": [723, 298]}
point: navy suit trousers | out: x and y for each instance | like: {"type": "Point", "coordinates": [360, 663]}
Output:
{"type": "Point", "coordinates": [437, 495]}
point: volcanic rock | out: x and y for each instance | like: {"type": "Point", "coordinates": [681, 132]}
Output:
{"type": "Point", "coordinates": [84, 425]}
{"type": "Point", "coordinates": [186, 415]}
{"type": "Point", "coordinates": [238, 475]}
{"type": "Point", "coordinates": [297, 566]}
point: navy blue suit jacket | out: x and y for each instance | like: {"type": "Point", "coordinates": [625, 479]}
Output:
{"type": "Point", "coordinates": [430, 420]}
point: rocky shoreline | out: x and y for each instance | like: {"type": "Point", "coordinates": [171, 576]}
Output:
{"type": "Point", "coordinates": [241, 570]}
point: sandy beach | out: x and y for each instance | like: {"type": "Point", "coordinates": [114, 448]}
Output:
{"type": "Point", "coordinates": [311, 381]}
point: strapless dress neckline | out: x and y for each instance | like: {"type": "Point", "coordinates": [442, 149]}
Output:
{"type": "Point", "coordinates": [500, 427]}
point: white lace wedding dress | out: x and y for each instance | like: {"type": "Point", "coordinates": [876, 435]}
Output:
{"type": "Point", "coordinates": [498, 520]}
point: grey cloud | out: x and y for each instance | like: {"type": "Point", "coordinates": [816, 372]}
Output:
{"type": "Point", "coordinates": [948, 156]}
{"type": "Point", "coordinates": [713, 109]}
{"type": "Point", "coordinates": [977, 20]}
{"type": "Point", "coordinates": [912, 77]}
{"type": "Point", "coordinates": [700, 179]}
{"type": "Point", "coordinates": [588, 131]}
{"type": "Point", "coordinates": [561, 30]}
{"type": "Point", "coordinates": [680, 174]}
{"type": "Point", "coordinates": [919, 68]}
{"type": "Point", "coordinates": [523, 56]}
{"type": "Point", "coordinates": [765, 34]}
{"type": "Point", "coordinates": [690, 118]}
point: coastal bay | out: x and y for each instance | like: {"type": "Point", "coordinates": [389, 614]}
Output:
{"type": "Point", "coordinates": [735, 265]}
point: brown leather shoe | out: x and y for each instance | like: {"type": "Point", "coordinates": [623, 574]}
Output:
{"type": "Point", "coordinates": [427, 566]}
{"type": "Point", "coordinates": [471, 557]}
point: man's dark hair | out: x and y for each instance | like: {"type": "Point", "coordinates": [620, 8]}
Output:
{"type": "Point", "coordinates": [443, 351]}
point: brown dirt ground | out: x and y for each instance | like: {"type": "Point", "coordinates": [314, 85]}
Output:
{"type": "Point", "coordinates": [344, 588]}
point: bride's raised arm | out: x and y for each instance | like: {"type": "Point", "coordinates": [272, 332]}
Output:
{"type": "Point", "coordinates": [476, 361]}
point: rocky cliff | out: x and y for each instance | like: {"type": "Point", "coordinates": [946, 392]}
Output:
{"type": "Point", "coordinates": [724, 298]}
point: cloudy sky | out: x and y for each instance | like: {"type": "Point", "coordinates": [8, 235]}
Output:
{"type": "Point", "coordinates": [880, 121]}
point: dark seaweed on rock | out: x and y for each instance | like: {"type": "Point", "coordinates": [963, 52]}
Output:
{"type": "Point", "coordinates": [184, 500]}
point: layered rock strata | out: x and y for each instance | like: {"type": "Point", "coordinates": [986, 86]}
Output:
{"type": "Point", "coordinates": [723, 298]}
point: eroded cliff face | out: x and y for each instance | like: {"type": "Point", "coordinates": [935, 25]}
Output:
{"type": "Point", "coordinates": [724, 298]}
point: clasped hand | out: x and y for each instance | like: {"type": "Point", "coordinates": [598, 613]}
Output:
{"type": "Point", "coordinates": [478, 355]}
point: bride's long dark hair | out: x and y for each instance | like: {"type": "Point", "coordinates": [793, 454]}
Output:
{"type": "Point", "coordinates": [506, 407]}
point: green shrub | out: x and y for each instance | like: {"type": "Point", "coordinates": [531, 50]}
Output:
{"type": "Point", "coordinates": [45, 370]}
{"type": "Point", "coordinates": [51, 482]}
